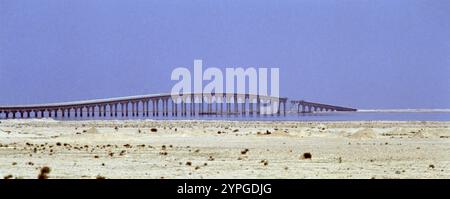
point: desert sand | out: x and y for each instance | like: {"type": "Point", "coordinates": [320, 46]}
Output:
{"type": "Point", "coordinates": [224, 149]}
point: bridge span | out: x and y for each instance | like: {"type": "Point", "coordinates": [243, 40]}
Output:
{"type": "Point", "coordinates": [149, 105]}
{"type": "Point", "coordinates": [164, 105]}
{"type": "Point", "coordinates": [309, 107]}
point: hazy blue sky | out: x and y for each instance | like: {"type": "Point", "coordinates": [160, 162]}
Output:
{"type": "Point", "coordinates": [365, 54]}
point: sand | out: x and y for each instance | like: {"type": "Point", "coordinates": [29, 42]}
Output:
{"type": "Point", "coordinates": [224, 149]}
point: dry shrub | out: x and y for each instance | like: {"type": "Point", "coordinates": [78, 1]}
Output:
{"type": "Point", "coordinates": [265, 162]}
{"type": "Point", "coordinates": [8, 177]}
{"type": "Point", "coordinates": [99, 177]}
{"type": "Point", "coordinates": [44, 173]}
{"type": "Point", "coordinates": [306, 155]}
{"type": "Point", "coordinates": [244, 151]}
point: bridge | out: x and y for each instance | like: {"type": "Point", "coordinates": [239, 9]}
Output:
{"type": "Point", "coordinates": [155, 105]}
{"type": "Point", "coordinates": [309, 107]}
{"type": "Point", "coordinates": [164, 105]}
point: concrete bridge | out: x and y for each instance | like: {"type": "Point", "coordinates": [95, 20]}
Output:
{"type": "Point", "coordinates": [155, 105]}
{"type": "Point", "coordinates": [309, 107]}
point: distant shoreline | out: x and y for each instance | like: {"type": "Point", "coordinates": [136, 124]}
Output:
{"type": "Point", "coordinates": [403, 110]}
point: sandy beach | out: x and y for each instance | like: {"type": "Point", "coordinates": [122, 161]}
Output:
{"type": "Point", "coordinates": [224, 149]}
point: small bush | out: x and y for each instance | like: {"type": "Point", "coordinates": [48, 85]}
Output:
{"type": "Point", "coordinates": [306, 156]}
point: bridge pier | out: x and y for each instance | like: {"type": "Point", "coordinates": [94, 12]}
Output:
{"type": "Point", "coordinates": [167, 107]}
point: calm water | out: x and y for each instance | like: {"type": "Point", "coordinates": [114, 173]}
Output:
{"type": "Point", "coordinates": [347, 116]}
{"type": "Point", "coordinates": [330, 116]}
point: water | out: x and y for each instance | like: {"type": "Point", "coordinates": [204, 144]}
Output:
{"type": "Point", "coordinates": [337, 116]}
{"type": "Point", "coordinates": [373, 115]}
{"type": "Point", "coordinates": [328, 116]}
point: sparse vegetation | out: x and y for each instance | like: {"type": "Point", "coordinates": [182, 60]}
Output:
{"type": "Point", "coordinates": [44, 172]}
{"type": "Point", "coordinates": [306, 156]}
{"type": "Point", "coordinates": [99, 177]}
{"type": "Point", "coordinates": [243, 152]}
{"type": "Point", "coordinates": [264, 162]}
{"type": "Point", "coordinates": [8, 177]}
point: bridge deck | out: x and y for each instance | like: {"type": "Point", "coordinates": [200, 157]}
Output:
{"type": "Point", "coordinates": [153, 103]}
{"type": "Point", "coordinates": [314, 105]}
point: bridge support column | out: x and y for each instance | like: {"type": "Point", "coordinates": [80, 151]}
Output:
{"type": "Point", "coordinates": [157, 107]}
{"type": "Point", "coordinates": [221, 105]}
{"type": "Point", "coordinates": [100, 110]}
{"type": "Point", "coordinates": [176, 108]}
{"type": "Point", "coordinates": [88, 111]}
{"type": "Point", "coordinates": [153, 107]}
{"type": "Point", "coordinates": [192, 105]}
{"type": "Point", "coordinates": [137, 108]}
{"type": "Point", "coordinates": [167, 107]}
{"type": "Point", "coordinates": [185, 107]}
{"type": "Point", "coordinates": [104, 110]}
{"type": "Point", "coordinates": [122, 109]}
{"type": "Point", "coordinates": [243, 106]}
{"type": "Point", "coordinates": [236, 105]}
{"type": "Point", "coordinates": [173, 107]}
{"type": "Point", "coordinates": [162, 107]}
{"type": "Point", "coordinates": [216, 108]}
{"type": "Point", "coordinates": [182, 107]}
{"type": "Point", "coordinates": [279, 107]}
{"type": "Point", "coordinates": [258, 106]}
{"type": "Point", "coordinates": [146, 107]}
